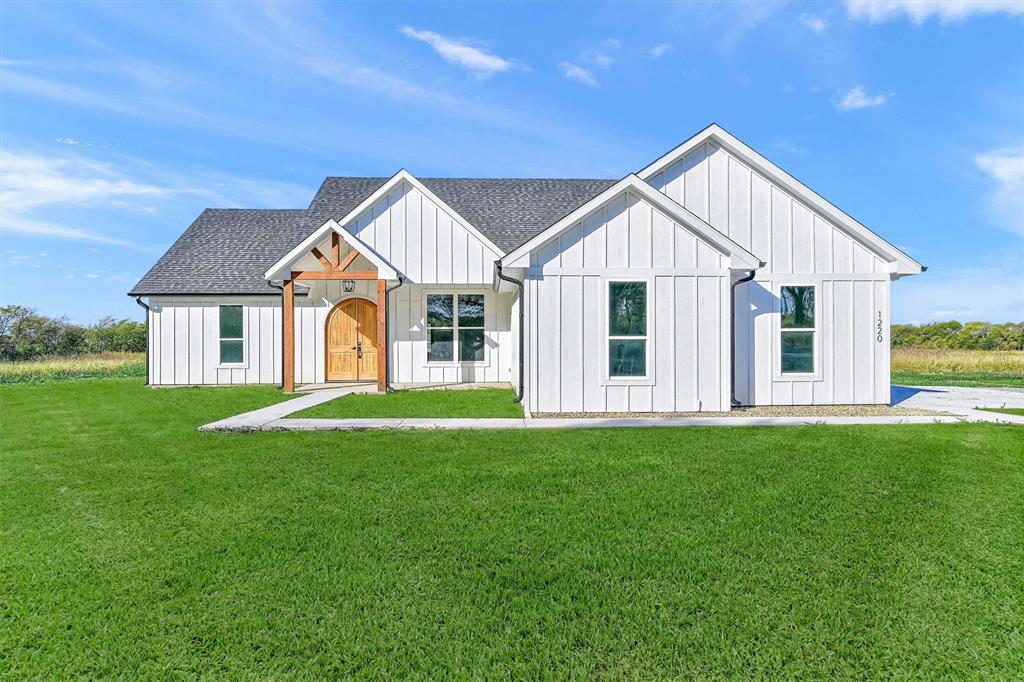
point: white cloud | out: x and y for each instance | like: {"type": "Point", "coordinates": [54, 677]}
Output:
{"type": "Point", "coordinates": [613, 43]}
{"type": "Point", "coordinates": [578, 73]}
{"type": "Point", "coordinates": [813, 23]}
{"type": "Point", "coordinates": [57, 197]}
{"type": "Point", "coordinates": [857, 98]}
{"type": "Point", "coordinates": [30, 181]}
{"type": "Point", "coordinates": [1006, 202]}
{"type": "Point", "coordinates": [992, 294]}
{"type": "Point", "coordinates": [597, 58]}
{"type": "Point", "coordinates": [461, 54]}
{"type": "Point", "coordinates": [919, 11]}
{"type": "Point", "coordinates": [660, 50]}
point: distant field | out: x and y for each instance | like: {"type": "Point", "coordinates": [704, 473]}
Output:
{"type": "Point", "coordinates": [936, 367]}
{"type": "Point", "coordinates": [910, 366]}
{"type": "Point", "coordinates": [91, 366]}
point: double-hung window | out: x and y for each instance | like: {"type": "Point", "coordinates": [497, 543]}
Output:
{"type": "Point", "coordinates": [797, 329]}
{"type": "Point", "coordinates": [627, 329]}
{"type": "Point", "coordinates": [455, 327]}
{"type": "Point", "coordinates": [232, 351]}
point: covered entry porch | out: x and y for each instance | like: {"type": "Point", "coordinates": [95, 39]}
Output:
{"type": "Point", "coordinates": [345, 279]}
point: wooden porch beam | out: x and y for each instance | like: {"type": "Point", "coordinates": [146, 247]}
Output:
{"type": "Point", "coordinates": [334, 274]}
{"type": "Point", "coordinates": [382, 333]}
{"type": "Point", "coordinates": [335, 249]}
{"type": "Point", "coordinates": [288, 336]}
{"type": "Point", "coordinates": [322, 258]}
{"type": "Point", "coordinates": [353, 254]}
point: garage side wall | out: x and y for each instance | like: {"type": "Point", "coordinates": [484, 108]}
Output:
{"type": "Point", "coordinates": [799, 246]}
{"type": "Point", "coordinates": [687, 308]}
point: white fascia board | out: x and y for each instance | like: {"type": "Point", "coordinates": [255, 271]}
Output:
{"type": "Point", "coordinates": [900, 263]}
{"type": "Point", "coordinates": [281, 269]}
{"type": "Point", "coordinates": [740, 258]}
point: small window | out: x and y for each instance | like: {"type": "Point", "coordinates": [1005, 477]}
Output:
{"type": "Point", "coordinates": [471, 327]}
{"type": "Point", "coordinates": [627, 329]}
{"type": "Point", "coordinates": [231, 337]}
{"type": "Point", "coordinates": [455, 327]}
{"type": "Point", "coordinates": [440, 327]}
{"type": "Point", "coordinates": [797, 329]}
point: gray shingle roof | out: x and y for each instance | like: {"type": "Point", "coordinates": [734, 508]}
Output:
{"type": "Point", "coordinates": [226, 251]}
{"type": "Point", "coordinates": [507, 211]}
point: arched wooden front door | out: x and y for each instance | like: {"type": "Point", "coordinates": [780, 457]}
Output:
{"type": "Point", "coordinates": [352, 341]}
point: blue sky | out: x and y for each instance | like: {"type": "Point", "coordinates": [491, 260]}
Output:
{"type": "Point", "coordinates": [120, 123]}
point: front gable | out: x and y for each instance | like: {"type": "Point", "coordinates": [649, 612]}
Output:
{"type": "Point", "coordinates": [630, 225]}
{"type": "Point", "coordinates": [421, 235]}
{"type": "Point", "coordinates": [326, 249]}
{"type": "Point", "coordinates": [769, 212]}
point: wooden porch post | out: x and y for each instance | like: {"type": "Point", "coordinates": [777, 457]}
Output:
{"type": "Point", "coordinates": [288, 335]}
{"type": "Point", "coordinates": [382, 341]}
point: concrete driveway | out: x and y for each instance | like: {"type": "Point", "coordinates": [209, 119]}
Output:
{"type": "Point", "coordinates": [961, 400]}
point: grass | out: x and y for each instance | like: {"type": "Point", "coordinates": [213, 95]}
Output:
{"type": "Point", "coordinates": [133, 546]}
{"type": "Point", "coordinates": [466, 403]}
{"type": "Point", "coordinates": [934, 367]}
{"type": "Point", "coordinates": [89, 366]}
{"type": "Point", "coordinates": [1019, 411]}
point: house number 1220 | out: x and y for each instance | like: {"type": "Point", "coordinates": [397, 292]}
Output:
{"type": "Point", "coordinates": [878, 328]}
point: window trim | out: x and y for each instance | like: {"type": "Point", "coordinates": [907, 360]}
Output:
{"type": "Point", "coordinates": [244, 339]}
{"type": "Point", "coordinates": [779, 330]}
{"type": "Point", "coordinates": [648, 377]}
{"type": "Point", "coordinates": [455, 362]}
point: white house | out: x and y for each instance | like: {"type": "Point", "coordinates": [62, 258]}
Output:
{"type": "Point", "coordinates": [709, 279]}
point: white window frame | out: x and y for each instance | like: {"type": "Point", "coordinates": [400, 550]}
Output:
{"type": "Point", "coordinates": [779, 330]}
{"type": "Point", "coordinates": [648, 378]}
{"type": "Point", "coordinates": [245, 345]}
{"type": "Point", "coordinates": [454, 362]}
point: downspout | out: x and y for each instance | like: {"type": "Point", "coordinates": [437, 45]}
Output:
{"type": "Point", "coordinates": [138, 299]}
{"type": "Point", "coordinates": [387, 333]}
{"type": "Point", "coordinates": [522, 306]}
{"type": "Point", "coordinates": [732, 335]}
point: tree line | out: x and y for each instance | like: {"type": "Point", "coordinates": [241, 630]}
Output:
{"type": "Point", "coordinates": [954, 335]}
{"type": "Point", "coordinates": [24, 335]}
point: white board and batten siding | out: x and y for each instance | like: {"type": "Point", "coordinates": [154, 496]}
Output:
{"type": "Point", "coordinates": [184, 341]}
{"type": "Point", "coordinates": [802, 247]}
{"type": "Point", "coordinates": [184, 337]}
{"type": "Point", "coordinates": [408, 330]}
{"type": "Point", "coordinates": [566, 299]}
{"type": "Point", "coordinates": [423, 239]}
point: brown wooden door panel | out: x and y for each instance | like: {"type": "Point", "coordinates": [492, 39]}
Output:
{"type": "Point", "coordinates": [351, 332]}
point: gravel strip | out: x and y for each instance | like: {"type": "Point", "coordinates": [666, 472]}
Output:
{"type": "Point", "coordinates": [763, 411]}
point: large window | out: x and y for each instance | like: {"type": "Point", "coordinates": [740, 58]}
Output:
{"type": "Point", "coordinates": [231, 338]}
{"type": "Point", "coordinates": [797, 329]}
{"type": "Point", "coordinates": [627, 329]}
{"type": "Point", "coordinates": [455, 327]}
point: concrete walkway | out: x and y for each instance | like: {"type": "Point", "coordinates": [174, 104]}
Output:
{"type": "Point", "coordinates": [961, 400]}
{"type": "Point", "coordinates": [958, 401]}
{"type": "Point", "coordinates": [314, 395]}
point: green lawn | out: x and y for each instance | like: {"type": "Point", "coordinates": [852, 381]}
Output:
{"type": "Point", "coordinates": [1019, 411]}
{"type": "Point", "coordinates": [131, 545]}
{"type": "Point", "coordinates": [979, 379]}
{"type": "Point", "coordinates": [467, 403]}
